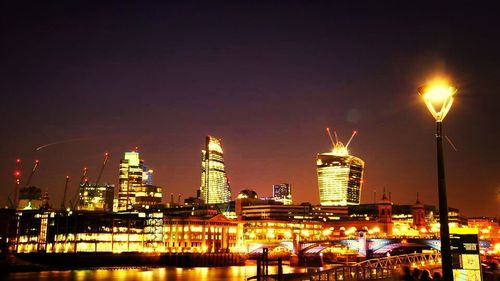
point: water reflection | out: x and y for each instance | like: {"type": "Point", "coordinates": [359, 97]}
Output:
{"type": "Point", "coordinates": [150, 274]}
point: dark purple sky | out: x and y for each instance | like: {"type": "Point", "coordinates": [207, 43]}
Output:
{"type": "Point", "coordinates": [266, 77]}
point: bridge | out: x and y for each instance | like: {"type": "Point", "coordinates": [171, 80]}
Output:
{"type": "Point", "coordinates": [372, 247]}
{"type": "Point", "coordinates": [377, 246]}
{"type": "Point", "coordinates": [374, 269]}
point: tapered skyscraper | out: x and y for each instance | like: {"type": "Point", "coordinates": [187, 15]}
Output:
{"type": "Point", "coordinates": [214, 186]}
{"type": "Point", "coordinates": [340, 176]}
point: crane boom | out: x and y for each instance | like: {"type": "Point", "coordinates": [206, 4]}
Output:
{"type": "Point", "coordinates": [63, 207]}
{"type": "Point", "coordinates": [17, 180]}
{"type": "Point", "coordinates": [83, 180]}
{"type": "Point", "coordinates": [84, 175]}
{"type": "Point", "coordinates": [35, 167]}
{"type": "Point", "coordinates": [352, 136]}
{"type": "Point", "coordinates": [106, 157]}
{"type": "Point", "coordinates": [330, 136]}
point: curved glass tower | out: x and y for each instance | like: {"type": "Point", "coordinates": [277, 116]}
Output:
{"type": "Point", "coordinates": [340, 177]}
{"type": "Point", "coordinates": [214, 186]}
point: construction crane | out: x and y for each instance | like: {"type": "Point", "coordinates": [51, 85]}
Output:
{"type": "Point", "coordinates": [17, 180]}
{"type": "Point", "coordinates": [338, 146]}
{"type": "Point", "coordinates": [330, 136]}
{"type": "Point", "coordinates": [83, 181]}
{"type": "Point", "coordinates": [35, 167]}
{"type": "Point", "coordinates": [84, 175]}
{"type": "Point", "coordinates": [352, 136]}
{"type": "Point", "coordinates": [63, 207]}
{"type": "Point", "coordinates": [106, 157]}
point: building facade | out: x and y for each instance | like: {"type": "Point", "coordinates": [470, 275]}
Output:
{"type": "Point", "coordinates": [214, 186]}
{"type": "Point", "coordinates": [282, 193]}
{"type": "Point", "coordinates": [148, 195]}
{"type": "Point", "coordinates": [30, 197]}
{"type": "Point", "coordinates": [340, 177]}
{"type": "Point", "coordinates": [96, 197]}
{"type": "Point", "coordinates": [142, 232]}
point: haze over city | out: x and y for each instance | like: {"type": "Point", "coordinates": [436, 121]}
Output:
{"type": "Point", "coordinates": [268, 79]}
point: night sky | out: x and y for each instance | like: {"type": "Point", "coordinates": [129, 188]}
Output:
{"type": "Point", "coordinates": [267, 77]}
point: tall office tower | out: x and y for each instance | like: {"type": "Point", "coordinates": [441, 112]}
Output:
{"type": "Point", "coordinates": [136, 184]}
{"type": "Point", "coordinates": [282, 193]}
{"type": "Point", "coordinates": [96, 197]}
{"type": "Point", "coordinates": [340, 176]}
{"type": "Point", "coordinates": [131, 173]}
{"type": "Point", "coordinates": [214, 186]}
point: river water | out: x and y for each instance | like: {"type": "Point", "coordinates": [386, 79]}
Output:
{"type": "Point", "coordinates": [151, 274]}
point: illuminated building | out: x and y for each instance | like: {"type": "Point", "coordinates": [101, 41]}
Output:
{"type": "Point", "coordinates": [136, 184]}
{"type": "Point", "coordinates": [30, 197]}
{"type": "Point", "coordinates": [140, 232]}
{"type": "Point", "coordinates": [418, 213]}
{"type": "Point", "coordinates": [130, 177]}
{"type": "Point", "coordinates": [214, 186]}
{"type": "Point", "coordinates": [340, 177]}
{"type": "Point", "coordinates": [263, 210]}
{"type": "Point", "coordinates": [385, 214]}
{"type": "Point", "coordinates": [257, 231]}
{"type": "Point", "coordinates": [96, 197]}
{"type": "Point", "coordinates": [282, 193]}
{"type": "Point", "coordinates": [147, 195]}
{"type": "Point", "coordinates": [488, 228]}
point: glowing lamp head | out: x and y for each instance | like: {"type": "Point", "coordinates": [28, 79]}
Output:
{"type": "Point", "coordinates": [438, 97]}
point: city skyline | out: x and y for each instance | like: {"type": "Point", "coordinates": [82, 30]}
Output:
{"type": "Point", "coordinates": [268, 80]}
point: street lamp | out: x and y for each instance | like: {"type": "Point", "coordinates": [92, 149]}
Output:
{"type": "Point", "coordinates": [438, 98]}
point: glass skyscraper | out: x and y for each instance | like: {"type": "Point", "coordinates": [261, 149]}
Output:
{"type": "Point", "coordinates": [214, 186]}
{"type": "Point", "coordinates": [340, 177]}
{"type": "Point", "coordinates": [136, 184]}
{"type": "Point", "coordinates": [130, 178]}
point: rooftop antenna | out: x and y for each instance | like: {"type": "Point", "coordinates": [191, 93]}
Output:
{"type": "Point", "coordinates": [352, 136]}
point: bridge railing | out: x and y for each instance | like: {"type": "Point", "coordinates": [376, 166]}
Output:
{"type": "Point", "coordinates": [374, 269]}
{"type": "Point", "coordinates": [414, 260]}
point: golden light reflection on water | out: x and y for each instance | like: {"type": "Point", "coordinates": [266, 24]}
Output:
{"type": "Point", "coordinates": [150, 274]}
{"type": "Point", "coordinates": [202, 273]}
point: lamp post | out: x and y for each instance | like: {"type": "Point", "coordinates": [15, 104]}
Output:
{"type": "Point", "coordinates": [438, 98]}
